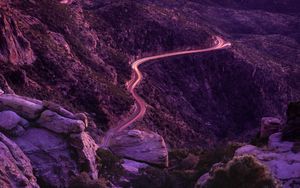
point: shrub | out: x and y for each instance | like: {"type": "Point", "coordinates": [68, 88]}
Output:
{"type": "Point", "coordinates": [242, 172]}
{"type": "Point", "coordinates": [84, 181]}
{"type": "Point", "coordinates": [109, 164]}
{"type": "Point", "coordinates": [215, 155]}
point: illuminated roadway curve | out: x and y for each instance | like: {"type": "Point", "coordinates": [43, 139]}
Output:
{"type": "Point", "coordinates": [137, 77]}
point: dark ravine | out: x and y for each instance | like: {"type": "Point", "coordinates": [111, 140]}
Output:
{"type": "Point", "coordinates": [136, 79]}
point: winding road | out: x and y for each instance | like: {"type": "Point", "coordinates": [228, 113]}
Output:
{"type": "Point", "coordinates": [137, 77]}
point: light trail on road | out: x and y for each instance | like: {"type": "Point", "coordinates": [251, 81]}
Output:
{"type": "Point", "coordinates": [136, 79]}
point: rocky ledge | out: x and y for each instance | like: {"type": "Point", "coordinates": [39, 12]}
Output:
{"type": "Point", "coordinates": [44, 138]}
{"type": "Point", "coordinates": [279, 157]}
{"type": "Point", "coordinates": [281, 154]}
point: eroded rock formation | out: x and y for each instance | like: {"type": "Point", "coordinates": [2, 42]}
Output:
{"type": "Point", "coordinates": [15, 167]}
{"type": "Point", "coordinates": [55, 147]}
{"type": "Point", "coordinates": [279, 157]}
{"type": "Point", "coordinates": [14, 47]}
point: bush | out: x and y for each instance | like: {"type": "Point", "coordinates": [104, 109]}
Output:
{"type": "Point", "coordinates": [219, 154]}
{"type": "Point", "coordinates": [84, 181]}
{"type": "Point", "coordinates": [109, 164]}
{"type": "Point", "coordinates": [242, 172]}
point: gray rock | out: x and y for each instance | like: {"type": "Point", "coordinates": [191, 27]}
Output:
{"type": "Point", "coordinates": [133, 167]}
{"type": "Point", "coordinates": [25, 107]}
{"type": "Point", "coordinates": [269, 125]}
{"type": "Point", "coordinates": [59, 124]}
{"type": "Point", "coordinates": [50, 156]}
{"type": "Point", "coordinates": [278, 157]}
{"type": "Point", "coordinates": [86, 150]}
{"type": "Point", "coordinates": [202, 180]}
{"type": "Point", "coordinates": [275, 143]}
{"type": "Point", "coordinates": [10, 120]}
{"type": "Point", "coordinates": [65, 113]}
{"type": "Point", "coordinates": [58, 109]}
{"type": "Point", "coordinates": [292, 183]}
{"type": "Point", "coordinates": [15, 167]}
{"type": "Point", "coordinates": [147, 147]}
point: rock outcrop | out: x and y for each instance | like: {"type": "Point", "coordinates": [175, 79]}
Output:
{"type": "Point", "coordinates": [15, 167]}
{"type": "Point", "coordinates": [269, 125]}
{"type": "Point", "coordinates": [137, 145]}
{"type": "Point", "coordinates": [133, 167]}
{"type": "Point", "coordinates": [279, 158]}
{"type": "Point", "coordinates": [27, 108]}
{"type": "Point", "coordinates": [86, 149]}
{"type": "Point", "coordinates": [55, 146]}
{"type": "Point", "coordinates": [15, 48]}
{"type": "Point", "coordinates": [51, 156]}
{"type": "Point", "coordinates": [59, 124]}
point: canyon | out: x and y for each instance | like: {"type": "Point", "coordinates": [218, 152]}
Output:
{"type": "Point", "coordinates": [70, 71]}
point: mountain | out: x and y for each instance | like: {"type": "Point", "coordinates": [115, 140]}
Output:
{"type": "Point", "coordinates": [77, 53]}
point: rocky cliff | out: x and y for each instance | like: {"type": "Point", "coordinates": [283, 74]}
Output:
{"type": "Point", "coordinates": [41, 138]}
{"type": "Point", "coordinates": [44, 145]}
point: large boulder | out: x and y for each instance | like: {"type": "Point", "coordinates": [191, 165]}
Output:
{"type": "Point", "coordinates": [15, 167]}
{"type": "Point", "coordinates": [25, 107]}
{"type": "Point", "coordinates": [59, 124]}
{"type": "Point", "coordinates": [147, 147]}
{"type": "Point", "coordinates": [86, 150]}
{"type": "Point", "coordinates": [269, 125]}
{"type": "Point", "coordinates": [50, 155]}
{"type": "Point", "coordinates": [283, 163]}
